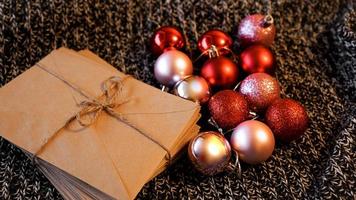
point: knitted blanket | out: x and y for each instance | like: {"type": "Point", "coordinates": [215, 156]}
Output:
{"type": "Point", "coordinates": [315, 48]}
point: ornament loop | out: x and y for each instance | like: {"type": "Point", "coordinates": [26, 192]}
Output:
{"type": "Point", "coordinates": [237, 86]}
{"type": "Point", "coordinates": [267, 21]}
{"type": "Point", "coordinates": [213, 52]}
{"type": "Point", "coordinates": [164, 88]}
{"type": "Point", "coordinates": [253, 115]}
{"type": "Point", "coordinates": [235, 167]}
{"type": "Point", "coordinates": [235, 57]}
{"type": "Point", "coordinates": [213, 123]}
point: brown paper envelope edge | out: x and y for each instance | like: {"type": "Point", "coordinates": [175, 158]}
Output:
{"type": "Point", "coordinates": [194, 131]}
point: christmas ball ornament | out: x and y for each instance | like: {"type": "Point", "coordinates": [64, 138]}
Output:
{"type": "Point", "coordinates": [166, 37]}
{"type": "Point", "coordinates": [228, 109]}
{"type": "Point", "coordinates": [194, 88]}
{"type": "Point", "coordinates": [172, 66]}
{"type": "Point", "coordinates": [255, 29]}
{"type": "Point", "coordinates": [220, 72]}
{"type": "Point", "coordinates": [257, 58]}
{"type": "Point", "coordinates": [221, 40]}
{"type": "Point", "coordinates": [287, 119]}
{"type": "Point", "coordinates": [210, 152]}
{"type": "Point", "coordinates": [253, 141]}
{"type": "Point", "coordinates": [260, 91]}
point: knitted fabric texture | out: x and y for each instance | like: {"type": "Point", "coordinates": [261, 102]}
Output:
{"type": "Point", "coordinates": [315, 47]}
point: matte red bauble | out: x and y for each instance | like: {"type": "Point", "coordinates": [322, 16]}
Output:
{"type": "Point", "coordinates": [221, 40]}
{"type": "Point", "coordinates": [287, 119]}
{"type": "Point", "coordinates": [166, 37]}
{"type": "Point", "coordinates": [210, 152]}
{"type": "Point", "coordinates": [257, 58]}
{"type": "Point", "coordinates": [228, 108]}
{"type": "Point", "coordinates": [255, 29]}
{"type": "Point", "coordinates": [220, 72]}
{"type": "Point", "coordinates": [253, 141]}
{"type": "Point", "coordinates": [260, 91]}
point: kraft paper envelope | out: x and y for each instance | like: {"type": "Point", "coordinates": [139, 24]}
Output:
{"type": "Point", "coordinates": [185, 138]}
{"type": "Point", "coordinates": [108, 155]}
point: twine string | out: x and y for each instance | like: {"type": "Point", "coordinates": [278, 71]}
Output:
{"type": "Point", "coordinates": [91, 108]}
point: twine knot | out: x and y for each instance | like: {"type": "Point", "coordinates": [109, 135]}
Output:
{"type": "Point", "coordinates": [107, 102]}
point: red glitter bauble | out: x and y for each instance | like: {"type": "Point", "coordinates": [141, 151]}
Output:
{"type": "Point", "coordinates": [166, 37]}
{"type": "Point", "coordinates": [257, 58]}
{"type": "Point", "coordinates": [255, 29]}
{"type": "Point", "coordinates": [221, 40]}
{"type": "Point", "coordinates": [287, 119]}
{"type": "Point", "coordinates": [228, 108]}
{"type": "Point", "coordinates": [220, 72]}
{"type": "Point", "coordinates": [260, 91]}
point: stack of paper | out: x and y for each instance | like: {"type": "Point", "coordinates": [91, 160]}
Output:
{"type": "Point", "coordinates": [109, 159]}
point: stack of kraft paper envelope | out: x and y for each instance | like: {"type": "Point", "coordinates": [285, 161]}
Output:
{"type": "Point", "coordinates": [110, 158]}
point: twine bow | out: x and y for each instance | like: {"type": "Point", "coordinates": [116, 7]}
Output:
{"type": "Point", "coordinates": [92, 108]}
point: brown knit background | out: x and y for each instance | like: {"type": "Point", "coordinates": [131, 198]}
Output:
{"type": "Point", "coordinates": [315, 48]}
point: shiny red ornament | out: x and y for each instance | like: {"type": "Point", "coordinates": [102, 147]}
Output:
{"type": "Point", "coordinates": [255, 29]}
{"type": "Point", "coordinates": [257, 58]}
{"type": "Point", "coordinates": [260, 91]}
{"type": "Point", "coordinates": [221, 40]}
{"type": "Point", "coordinates": [220, 72]}
{"type": "Point", "coordinates": [228, 109]}
{"type": "Point", "coordinates": [287, 118]}
{"type": "Point", "coordinates": [166, 37]}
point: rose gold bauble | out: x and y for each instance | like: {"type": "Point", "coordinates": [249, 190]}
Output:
{"type": "Point", "coordinates": [260, 91]}
{"type": "Point", "coordinates": [166, 37]}
{"type": "Point", "coordinates": [257, 58]}
{"type": "Point", "coordinates": [194, 88]}
{"type": "Point", "coordinates": [220, 72]}
{"type": "Point", "coordinates": [228, 108]}
{"type": "Point", "coordinates": [210, 152]}
{"type": "Point", "coordinates": [172, 66]}
{"type": "Point", "coordinates": [253, 141]}
{"type": "Point", "coordinates": [221, 40]}
{"type": "Point", "coordinates": [256, 29]}
{"type": "Point", "coordinates": [287, 119]}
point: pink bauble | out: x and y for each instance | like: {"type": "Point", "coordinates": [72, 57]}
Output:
{"type": "Point", "coordinates": [256, 29]}
{"type": "Point", "coordinates": [253, 141]}
{"type": "Point", "coordinates": [210, 152]}
{"type": "Point", "coordinates": [171, 67]}
{"type": "Point", "coordinates": [260, 91]}
{"type": "Point", "coordinates": [194, 88]}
